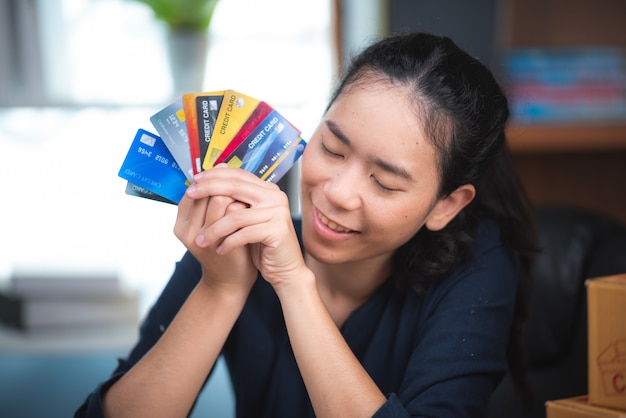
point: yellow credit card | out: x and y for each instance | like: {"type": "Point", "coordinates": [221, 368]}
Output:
{"type": "Point", "coordinates": [235, 110]}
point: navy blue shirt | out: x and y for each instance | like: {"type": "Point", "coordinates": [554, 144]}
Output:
{"type": "Point", "coordinates": [439, 355]}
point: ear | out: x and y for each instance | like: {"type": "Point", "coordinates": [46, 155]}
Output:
{"type": "Point", "coordinates": [447, 208]}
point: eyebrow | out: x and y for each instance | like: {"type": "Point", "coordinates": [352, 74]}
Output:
{"type": "Point", "coordinates": [385, 165]}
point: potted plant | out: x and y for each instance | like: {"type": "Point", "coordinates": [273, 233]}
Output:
{"type": "Point", "coordinates": [187, 24]}
{"type": "Point", "coordinates": [184, 15]}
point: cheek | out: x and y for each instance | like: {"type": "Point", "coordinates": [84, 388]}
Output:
{"type": "Point", "coordinates": [312, 166]}
{"type": "Point", "coordinates": [306, 168]}
{"type": "Point", "coordinates": [402, 223]}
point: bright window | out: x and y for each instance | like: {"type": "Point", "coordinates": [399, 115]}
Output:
{"type": "Point", "coordinates": [114, 52]}
{"type": "Point", "coordinates": [107, 59]}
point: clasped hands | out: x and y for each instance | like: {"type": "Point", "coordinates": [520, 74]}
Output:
{"type": "Point", "coordinates": [237, 225]}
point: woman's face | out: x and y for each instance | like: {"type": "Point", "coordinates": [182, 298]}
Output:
{"type": "Point", "coordinates": [369, 177]}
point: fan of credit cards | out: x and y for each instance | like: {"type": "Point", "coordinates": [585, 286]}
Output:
{"type": "Point", "coordinates": [201, 130]}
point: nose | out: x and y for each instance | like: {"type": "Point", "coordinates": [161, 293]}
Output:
{"type": "Point", "coordinates": [343, 189]}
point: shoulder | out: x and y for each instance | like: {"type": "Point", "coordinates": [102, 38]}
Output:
{"type": "Point", "coordinates": [456, 333]}
{"type": "Point", "coordinates": [490, 256]}
{"type": "Point", "coordinates": [487, 238]}
{"type": "Point", "coordinates": [492, 273]}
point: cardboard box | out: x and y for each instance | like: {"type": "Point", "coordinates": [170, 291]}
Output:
{"type": "Point", "coordinates": [606, 297]}
{"type": "Point", "coordinates": [579, 408]}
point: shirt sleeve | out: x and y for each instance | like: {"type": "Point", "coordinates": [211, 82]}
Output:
{"type": "Point", "coordinates": [459, 352]}
{"type": "Point", "coordinates": [185, 277]}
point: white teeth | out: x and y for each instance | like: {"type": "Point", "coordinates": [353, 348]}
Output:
{"type": "Point", "coordinates": [332, 225]}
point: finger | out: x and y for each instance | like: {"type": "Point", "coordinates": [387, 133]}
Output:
{"type": "Point", "coordinates": [235, 206]}
{"type": "Point", "coordinates": [190, 219]}
{"type": "Point", "coordinates": [184, 207]}
{"type": "Point", "coordinates": [235, 183]}
{"type": "Point", "coordinates": [216, 208]}
{"type": "Point", "coordinates": [249, 226]}
{"type": "Point", "coordinates": [224, 171]}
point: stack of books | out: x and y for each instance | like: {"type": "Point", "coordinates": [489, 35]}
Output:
{"type": "Point", "coordinates": [36, 301]}
{"type": "Point", "coordinates": [566, 85]}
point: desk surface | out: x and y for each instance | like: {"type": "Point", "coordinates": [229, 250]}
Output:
{"type": "Point", "coordinates": [82, 340]}
{"type": "Point", "coordinates": [60, 382]}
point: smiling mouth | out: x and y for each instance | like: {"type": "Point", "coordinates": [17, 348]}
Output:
{"type": "Point", "coordinates": [332, 225]}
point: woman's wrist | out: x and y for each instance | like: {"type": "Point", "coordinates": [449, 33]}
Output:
{"type": "Point", "coordinates": [230, 293]}
{"type": "Point", "coordinates": [301, 284]}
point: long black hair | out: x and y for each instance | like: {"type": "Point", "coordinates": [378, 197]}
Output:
{"type": "Point", "coordinates": [464, 113]}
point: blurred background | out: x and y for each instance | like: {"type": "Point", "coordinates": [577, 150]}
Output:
{"type": "Point", "coordinates": [79, 77]}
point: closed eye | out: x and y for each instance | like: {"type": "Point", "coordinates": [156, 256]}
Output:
{"type": "Point", "coordinates": [329, 152]}
{"type": "Point", "coordinates": [382, 186]}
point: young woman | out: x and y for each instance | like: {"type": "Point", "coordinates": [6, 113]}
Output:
{"type": "Point", "coordinates": [393, 295]}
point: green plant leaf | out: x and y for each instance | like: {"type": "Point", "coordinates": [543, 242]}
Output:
{"type": "Point", "coordinates": [194, 15]}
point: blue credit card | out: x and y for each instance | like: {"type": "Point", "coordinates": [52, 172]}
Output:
{"type": "Point", "coordinates": [150, 164]}
{"type": "Point", "coordinates": [265, 145]}
{"type": "Point", "coordinates": [285, 161]}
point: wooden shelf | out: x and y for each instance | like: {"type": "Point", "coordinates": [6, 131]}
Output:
{"type": "Point", "coordinates": [566, 138]}
{"type": "Point", "coordinates": [563, 23]}
{"type": "Point", "coordinates": [575, 164]}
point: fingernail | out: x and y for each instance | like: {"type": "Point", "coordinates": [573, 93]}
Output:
{"type": "Point", "coordinates": [192, 189]}
{"type": "Point", "coordinates": [200, 240]}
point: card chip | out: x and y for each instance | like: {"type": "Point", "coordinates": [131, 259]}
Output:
{"type": "Point", "coordinates": [148, 140]}
{"type": "Point", "coordinates": [181, 115]}
{"type": "Point", "coordinates": [215, 154]}
{"type": "Point", "coordinates": [235, 162]}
